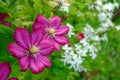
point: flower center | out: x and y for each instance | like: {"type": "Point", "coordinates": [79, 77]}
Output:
{"type": "Point", "coordinates": [51, 31]}
{"type": "Point", "coordinates": [33, 49]}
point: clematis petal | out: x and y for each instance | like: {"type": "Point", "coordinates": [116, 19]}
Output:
{"type": "Point", "coordinates": [56, 45]}
{"type": "Point", "coordinates": [16, 50]}
{"type": "Point", "coordinates": [39, 63]}
{"type": "Point", "coordinates": [40, 21]}
{"type": "Point", "coordinates": [24, 62]}
{"type": "Point", "coordinates": [61, 39]}
{"type": "Point", "coordinates": [3, 16]}
{"type": "Point", "coordinates": [55, 22]}
{"type": "Point", "coordinates": [6, 23]}
{"type": "Point", "coordinates": [33, 66]}
{"type": "Point", "coordinates": [22, 37]}
{"type": "Point", "coordinates": [45, 61]}
{"type": "Point", "coordinates": [62, 30]}
{"type": "Point", "coordinates": [5, 70]}
{"type": "Point", "coordinates": [46, 47]}
{"type": "Point", "coordinates": [37, 36]}
{"type": "Point", "coordinates": [13, 79]}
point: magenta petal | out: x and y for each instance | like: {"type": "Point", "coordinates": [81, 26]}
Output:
{"type": "Point", "coordinates": [16, 50]}
{"type": "Point", "coordinates": [6, 23]}
{"type": "Point", "coordinates": [40, 21]}
{"type": "Point", "coordinates": [39, 64]}
{"type": "Point", "coordinates": [37, 25]}
{"type": "Point", "coordinates": [22, 37]}
{"type": "Point", "coordinates": [37, 36]}
{"type": "Point", "coordinates": [61, 39]}
{"type": "Point", "coordinates": [33, 66]}
{"type": "Point", "coordinates": [5, 70]}
{"type": "Point", "coordinates": [56, 45]}
{"type": "Point", "coordinates": [62, 30]}
{"type": "Point", "coordinates": [45, 61]}
{"type": "Point", "coordinates": [46, 47]}
{"type": "Point", "coordinates": [24, 62]}
{"type": "Point", "coordinates": [55, 22]}
{"type": "Point", "coordinates": [3, 16]}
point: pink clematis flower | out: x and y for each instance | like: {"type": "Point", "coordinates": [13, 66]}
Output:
{"type": "Point", "coordinates": [80, 36]}
{"type": "Point", "coordinates": [53, 30]}
{"type": "Point", "coordinates": [5, 70]}
{"type": "Point", "coordinates": [2, 17]}
{"type": "Point", "coordinates": [31, 49]}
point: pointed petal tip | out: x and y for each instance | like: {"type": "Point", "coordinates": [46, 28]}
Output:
{"type": "Point", "coordinates": [24, 63]}
{"type": "Point", "coordinates": [13, 79]}
{"type": "Point", "coordinates": [16, 50]}
{"type": "Point", "coordinates": [57, 46]}
{"type": "Point", "coordinates": [5, 70]}
{"type": "Point", "coordinates": [62, 30]}
{"type": "Point", "coordinates": [61, 40]}
{"type": "Point", "coordinates": [6, 23]}
{"type": "Point", "coordinates": [22, 37]}
{"type": "Point", "coordinates": [55, 21]}
{"type": "Point", "coordinates": [3, 15]}
{"type": "Point", "coordinates": [40, 21]}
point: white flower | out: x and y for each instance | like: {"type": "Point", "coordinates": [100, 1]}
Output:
{"type": "Point", "coordinates": [99, 2]}
{"type": "Point", "coordinates": [71, 31]}
{"type": "Point", "coordinates": [108, 7]}
{"type": "Point", "coordinates": [91, 7]}
{"type": "Point", "coordinates": [88, 31]}
{"type": "Point", "coordinates": [93, 55]}
{"type": "Point", "coordinates": [102, 16]}
{"type": "Point", "coordinates": [104, 37]}
{"type": "Point", "coordinates": [118, 27]}
{"type": "Point", "coordinates": [65, 7]}
{"type": "Point", "coordinates": [96, 38]}
{"type": "Point", "coordinates": [116, 4]}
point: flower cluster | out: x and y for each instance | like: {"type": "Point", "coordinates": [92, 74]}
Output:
{"type": "Point", "coordinates": [32, 49]}
{"type": "Point", "coordinates": [77, 53]}
{"type": "Point", "coordinates": [105, 13]}
{"type": "Point", "coordinates": [90, 38]}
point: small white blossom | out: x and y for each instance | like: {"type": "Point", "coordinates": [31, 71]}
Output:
{"type": "Point", "coordinates": [108, 7]}
{"type": "Point", "coordinates": [118, 27]}
{"type": "Point", "coordinates": [65, 7]}
{"type": "Point", "coordinates": [70, 33]}
{"type": "Point", "coordinates": [93, 55]}
{"type": "Point", "coordinates": [102, 16]}
{"type": "Point", "coordinates": [99, 2]}
{"type": "Point", "coordinates": [104, 37]}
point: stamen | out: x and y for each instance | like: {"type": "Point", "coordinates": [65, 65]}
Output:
{"type": "Point", "coordinates": [51, 31]}
{"type": "Point", "coordinates": [33, 49]}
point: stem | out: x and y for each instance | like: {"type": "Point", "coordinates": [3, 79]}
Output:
{"type": "Point", "coordinates": [113, 20]}
{"type": "Point", "coordinates": [116, 14]}
{"type": "Point", "coordinates": [59, 4]}
{"type": "Point", "coordinates": [12, 3]}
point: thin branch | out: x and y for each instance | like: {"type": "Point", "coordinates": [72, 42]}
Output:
{"type": "Point", "coordinates": [116, 14]}
{"type": "Point", "coordinates": [12, 3]}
